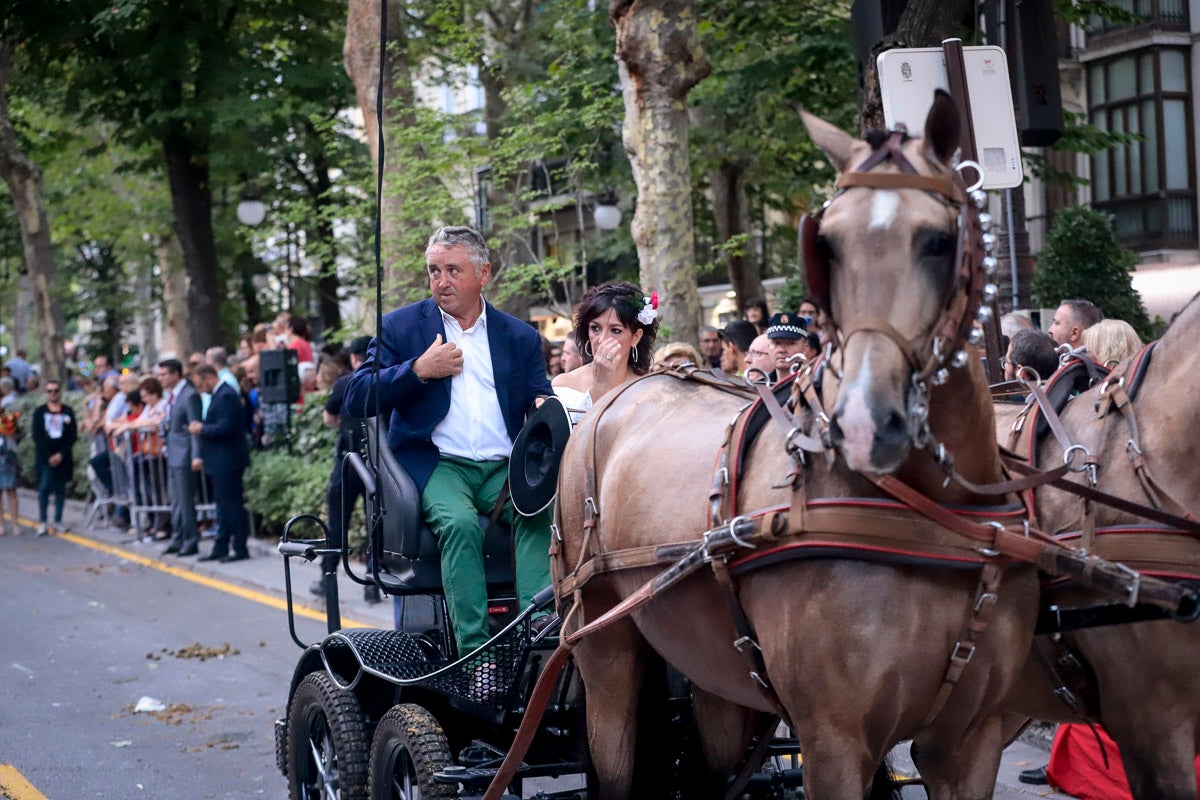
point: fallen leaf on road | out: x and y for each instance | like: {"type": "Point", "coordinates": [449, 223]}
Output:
{"type": "Point", "coordinates": [204, 652]}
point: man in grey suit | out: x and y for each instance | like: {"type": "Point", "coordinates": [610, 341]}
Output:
{"type": "Point", "coordinates": [183, 449]}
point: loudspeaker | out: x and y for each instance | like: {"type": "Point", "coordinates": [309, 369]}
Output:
{"type": "Point", "coordinates": [1031, 43]}
{"type": "Point", "coordinates": [278, 376]}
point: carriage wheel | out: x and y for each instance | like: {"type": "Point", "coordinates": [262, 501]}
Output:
{"type": "Point", "coordinates": [326, 743]}
{"type": "Point", "coordinates": [409, 746]}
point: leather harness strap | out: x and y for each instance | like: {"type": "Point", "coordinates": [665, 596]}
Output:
{"type": "Point", "coordinates": [1186, 524]}
{"type": "Point", "coordinates": [964, 649]}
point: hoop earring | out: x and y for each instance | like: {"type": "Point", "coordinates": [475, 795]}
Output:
{"type": "Point", "coordinates": [587, 348]}
{"type": "Point", "coordinates": [633, 353]}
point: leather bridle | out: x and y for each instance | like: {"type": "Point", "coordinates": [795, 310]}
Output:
{"type": "Point", "coordinates": [967, 295]}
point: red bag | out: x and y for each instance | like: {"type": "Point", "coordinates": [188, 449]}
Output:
{"type": "Point", "coordinates": [1077, 765]}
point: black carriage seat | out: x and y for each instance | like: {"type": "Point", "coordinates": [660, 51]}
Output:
{"type": "Point", "coordinates": [411, 561]}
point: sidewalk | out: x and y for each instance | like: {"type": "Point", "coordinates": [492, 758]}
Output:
{"type": "Point", "coordinates": [263, 572]}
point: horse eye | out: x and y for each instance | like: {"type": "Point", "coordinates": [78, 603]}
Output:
{"type": "Point", "coordinates": [825, 249]}
{"type": "Point", "coordinates": [937, 245]}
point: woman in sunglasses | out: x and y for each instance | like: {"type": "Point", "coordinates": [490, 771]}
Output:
{"type": "Point", "coordinates": [54, 432]}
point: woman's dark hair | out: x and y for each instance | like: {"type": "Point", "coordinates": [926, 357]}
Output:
{"type": "Point", "coordinates": [299, 326]}
{"type": "Point", "coordinates": [761, 305]}
{"type": "Point", "coordinates": [134, 398]}
{"type": "Point", "coordinates": [151, 385]}
{"type": "Point", "coordinates": [628, 301]}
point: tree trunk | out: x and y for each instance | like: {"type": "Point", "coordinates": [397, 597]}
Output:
{"type": "Point", "coordinates": [177, 337]}
{"type": "Point", "coordinates": [660, 59]}
{"type": "Point", "coordinates": [24, 181]}
{"type": "Point", "coordinates": [731, 213]}
{"type": "Point", "coordinates": [924, 23]}
{"type": "Point", "coordinates": [361, 58]}
{"type": "Point", "coordinates": [328, 283]}
{"type": "Point", "coordinates": [191, 201]}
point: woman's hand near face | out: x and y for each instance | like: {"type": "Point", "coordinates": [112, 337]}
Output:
{"type": "Point", "coordinates": [607, 359]}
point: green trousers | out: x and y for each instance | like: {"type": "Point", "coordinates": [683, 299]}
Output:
{"type": "Point", "coordinates": [457, 493]}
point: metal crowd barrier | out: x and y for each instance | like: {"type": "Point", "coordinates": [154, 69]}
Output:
{"type": "Point", "coordinates": [140, 484]}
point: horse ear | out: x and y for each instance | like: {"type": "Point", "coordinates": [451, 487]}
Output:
{"type": "Point", "coordinates": [942, 128]}
{"type": "Point", "coordinates": [833, 141]}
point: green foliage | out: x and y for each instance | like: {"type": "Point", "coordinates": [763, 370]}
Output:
{"type": "Point", "coordinates": [282, 483]}
{"type": "Point", "coordinates": [1079, 136]}
{"type": "Point", "coordinates": [1083, 259]}
{"type": "Point", "coordinates": [1085, 13]}
{"type": "Point", "coordinates": [791, 293]}
{"type": "Point", "coordinates": [769, 59]}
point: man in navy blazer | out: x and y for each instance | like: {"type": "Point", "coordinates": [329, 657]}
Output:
{"type": "Point", "coordinates": [225, 456]}
{"type": "Point", "coordinates": [457, 378]}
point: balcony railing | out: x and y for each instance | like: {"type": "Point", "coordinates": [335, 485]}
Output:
{"type": "Point", "coordinates": [1156, 13]}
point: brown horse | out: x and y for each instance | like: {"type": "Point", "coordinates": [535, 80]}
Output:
{"type": "Point", "coordinates": [856, 649]}
{"type": "Point", "coordinates": [1146, 673]}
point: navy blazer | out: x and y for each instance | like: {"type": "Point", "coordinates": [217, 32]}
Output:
{"type": "Point", "coordinates": [416, 408]}
{"type": "Point", "coordinates": [223, 436]}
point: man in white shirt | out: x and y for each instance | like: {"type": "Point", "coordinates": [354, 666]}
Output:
{"type": "Point", "coordinates": [457, 377]}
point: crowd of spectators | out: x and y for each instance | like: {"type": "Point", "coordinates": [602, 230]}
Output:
{"type": "Point", "coordinates": [124, 418]}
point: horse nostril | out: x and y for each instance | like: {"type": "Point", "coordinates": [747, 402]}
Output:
{"type": "Point", "coordinates": [835, 432]}
{"type": "Point", "coordinates": [893, 425]}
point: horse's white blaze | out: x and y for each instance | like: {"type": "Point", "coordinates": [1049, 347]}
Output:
{"type": "Point", "coordinates": [884, 205]}
{"type": "Point", "coordinates": [854, 417]}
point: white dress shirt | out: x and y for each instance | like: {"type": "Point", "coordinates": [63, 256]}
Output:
{"type": "Point", "coordinates": [474, 426]}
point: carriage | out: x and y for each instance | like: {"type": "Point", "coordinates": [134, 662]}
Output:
{"type": "Point", "coordinates": [849, 633]}
{"type": "Point", "coordinates": [385, 714]}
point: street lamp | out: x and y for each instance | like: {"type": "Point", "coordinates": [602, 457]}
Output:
{"type": "Point", "coordinates": [606, 213]}
{"type": "Point", "coordinates": [250, 208]}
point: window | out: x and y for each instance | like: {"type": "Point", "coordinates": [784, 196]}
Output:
{"type": "Point", "coordinates": [1146, 184]}
{"type": "Point", "coordinates": [1161, 14]}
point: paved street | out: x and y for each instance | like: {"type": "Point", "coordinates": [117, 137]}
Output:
{"type": "Point", "coordinates": [93, 622]}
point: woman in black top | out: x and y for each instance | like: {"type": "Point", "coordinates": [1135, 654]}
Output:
{"type": "Point", "coordinates": [54, 432]}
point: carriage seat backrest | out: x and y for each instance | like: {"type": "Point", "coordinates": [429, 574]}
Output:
{"type": "Point", "coordinates": [411, 559]}
{"type": "Point", "coordinates": [1073, 379]}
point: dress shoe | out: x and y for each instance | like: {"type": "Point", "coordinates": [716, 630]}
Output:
{"type": "Point", "coordinates": [213, 557]}
{"type": "Point", "coordinates": [1037, 777]}
{"type": "Point", "coordinates": [188, 551]}
{"type": "Point", "coordinates": [317, 587]}
{"type": "Point", "coordinates": [235, 557]}
{"type": "Point", "coordinates": [171, 549]}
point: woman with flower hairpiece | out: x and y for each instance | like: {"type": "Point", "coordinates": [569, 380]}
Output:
{"type": "Point", "coordinates": [615, 328]}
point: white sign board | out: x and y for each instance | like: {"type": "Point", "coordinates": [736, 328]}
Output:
{"type": "Point", "coordinates": [907, 78]}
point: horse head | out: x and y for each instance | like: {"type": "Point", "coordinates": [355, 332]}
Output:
{"type": "Point", "coordinates": [888, 254]}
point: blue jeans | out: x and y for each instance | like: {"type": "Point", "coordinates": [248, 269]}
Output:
{"type": "Point", "coordinates": [51, 479]}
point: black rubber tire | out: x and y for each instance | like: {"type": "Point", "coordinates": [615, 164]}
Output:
{"type": "Point", "coordinates": [409, 746]}
{"type": "Point", "coordinates": [327, 719]}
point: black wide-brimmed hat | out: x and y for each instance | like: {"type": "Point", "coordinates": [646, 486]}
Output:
{"type": "Point", "coordinates": [787, 326]}
{"type": "Point", "coordinates": [536, 454]}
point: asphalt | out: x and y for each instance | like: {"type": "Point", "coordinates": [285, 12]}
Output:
{"type": "Point", "coordinates": [263, 573]}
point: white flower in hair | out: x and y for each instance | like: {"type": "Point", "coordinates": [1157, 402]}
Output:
{"type": "Point", "coordinates": [649, 312]}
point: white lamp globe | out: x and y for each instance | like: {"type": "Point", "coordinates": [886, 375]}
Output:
{"type": "Point", "coordinates": [608, 217]}
{"type": "Point", "coordinates": [251, 212]}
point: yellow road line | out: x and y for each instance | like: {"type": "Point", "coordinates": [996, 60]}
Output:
{"type": "Point", "coordinates": [213, 583]}
{"type": "Point", "coordinates": [13, 785]}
